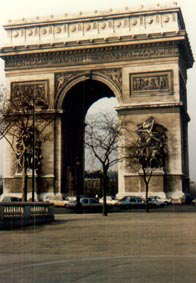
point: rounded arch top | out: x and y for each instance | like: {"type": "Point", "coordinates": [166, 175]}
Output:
{"type": "Point", "coordinates": [111, 78]}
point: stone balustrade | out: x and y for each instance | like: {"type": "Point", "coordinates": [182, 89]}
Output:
{"type": "Point", "coordinates": [16, 214]}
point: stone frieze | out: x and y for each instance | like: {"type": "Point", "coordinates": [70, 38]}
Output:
{"type": "Point", "coordinates": [91, 56]}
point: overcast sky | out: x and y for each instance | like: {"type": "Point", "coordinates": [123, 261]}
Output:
{"type": "Point", "coordinates": [12, 9]}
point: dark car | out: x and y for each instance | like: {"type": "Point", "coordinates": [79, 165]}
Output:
{"type": "Point", "coordinates": [130, 202]}
{"type": "Point", "coordinates": [11, 199]}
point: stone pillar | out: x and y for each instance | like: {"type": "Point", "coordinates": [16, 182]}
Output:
{"type": "Point", "coordinates": [57, 155]}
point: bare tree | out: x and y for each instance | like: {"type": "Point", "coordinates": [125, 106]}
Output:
{"type": "Point", "coordinates": [101, 139]}
{"type": "Point", "coordinates": [17, 126]}
{"type": "Point", "coordinates": [149, 152]}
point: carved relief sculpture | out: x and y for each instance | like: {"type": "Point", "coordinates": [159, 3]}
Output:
{"type": "Point", "coordinates": [30, 94]}
{"type": "Point", "coordinates": [24, 149]}
{"type": "Point", "coordinates": [113, 74]}
{"type": "Point", "coordinates": [62, 79]}
{"type": "Point", "coordinates": [156, 82]}
{"type": "Point", "coordinates": [152, 144]}
{"type": "Point", "coordinates": [27, 100]}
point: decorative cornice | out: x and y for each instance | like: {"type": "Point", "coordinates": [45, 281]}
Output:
{"type": "Point", "coordinates": [124, 108]}
{"type": "Point", "coordinates": [92, 27]}
{"type": "Point", "coordinates": [92, 43]}
{"type": "Point", "coordinates": [96, 13]}
{"type": "Point", "coordinates": [91, 56]}
{"type": "Point", "coordinates": [158, 23]}
{"type": "Point", "coordinates": [178, 106]}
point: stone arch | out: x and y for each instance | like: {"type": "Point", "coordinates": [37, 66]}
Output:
{"type": "Point", "coordinates": [72, 80]}
{"type": "Point", "coordinates": [145, 59]}
{"type": "Point", "coordinates": [73, 101]}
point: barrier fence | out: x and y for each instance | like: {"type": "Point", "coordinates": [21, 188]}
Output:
{"type": "Point", "coordinates": [15, 214]}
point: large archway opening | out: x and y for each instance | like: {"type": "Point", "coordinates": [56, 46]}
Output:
{"type": "Point", "coordinates": [104, 107]}
{"type": "Point", "coordinates": [75, 106]}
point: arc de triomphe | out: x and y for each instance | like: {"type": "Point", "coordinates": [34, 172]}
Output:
{"type": "Point", "coordinates": [139, 56]}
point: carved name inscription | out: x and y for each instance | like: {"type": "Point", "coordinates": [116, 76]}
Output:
{"type": "Point", "coordinates": [153, 82]}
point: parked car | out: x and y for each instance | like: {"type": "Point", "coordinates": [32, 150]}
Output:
{"type": "Point", "coordinates": [188, 198]}
{"type": "Point", "coordinates": [86, 204]}
{"type": "Point", "coordinates": [58, 201]}
{"type": "Point", "coordinates": [177, 201]}
{"type": "Point", "coordinates": [154, 203]}
{"type": "Point", "coordinates": [130, 202]}
{"type": "Point", "coordinates": [194, 201]}
{"type": "Point", "coordinates": [11, 199]}
{"type": "Point", "coordinates": [109, 200]}
{"type": "Point", "coordinates": [159, 201]}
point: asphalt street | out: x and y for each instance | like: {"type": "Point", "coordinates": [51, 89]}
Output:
{"type": "Point", "coordinates": [132, 247]}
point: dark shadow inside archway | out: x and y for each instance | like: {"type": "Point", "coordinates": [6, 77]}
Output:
{"type": "Point", "coordinates": [75, 105]}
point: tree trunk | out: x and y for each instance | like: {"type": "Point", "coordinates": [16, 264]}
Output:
{"type": "Point", "coordinates": [147, 205]}
{"type": "Point", "coordinates": [105, 186]}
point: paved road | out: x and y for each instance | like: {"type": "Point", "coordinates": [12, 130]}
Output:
{"type": "Point", "coordinates": [123, 247]}
{"type": "Point", "coordinates": [170, 208]}
{"type": "Point", "coordinates": [160, 269]}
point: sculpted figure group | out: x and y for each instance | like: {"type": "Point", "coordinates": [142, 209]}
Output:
{"type": "Point", "coordinates": [152, 144]}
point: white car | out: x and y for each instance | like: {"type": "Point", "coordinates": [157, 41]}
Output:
{"type": "Point", "coordinates": [194, 201]}
{"type": "Point", "coordinates": [162, 200]}
{"type": "Point", "coordinates": [58, 201]}
{"type": "Point", "coordinates": [109, 200]}
{"type": "Point", "coordinates": [86, 204]}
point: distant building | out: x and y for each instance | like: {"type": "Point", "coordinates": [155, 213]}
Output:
{"type": "Point", "coordinates": [93, 184]}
